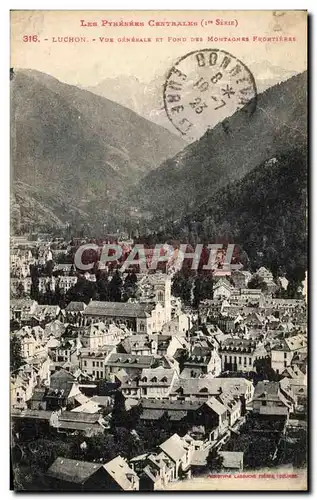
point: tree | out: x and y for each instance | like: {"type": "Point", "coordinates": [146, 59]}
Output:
{"type": "Point", "coordinates": [264, 369]}
{"type": "Point", "coordinates": [49, 268]}
{"type": "Point", "coordinates": [83, 291]}
{"type": "Point", "coordinates": [102, 447]}
{"type": "Point", "coordinates": [182, 286]}
{"type": "Point", "coordinates": [130, 286]}
{"type": "Point", "coordinates": [102, 287]}
{"type": "Point", "coordinates": [293, 289]}
{"type": "Point", "coordinates": [115, 287]}
{"type": "Point", "coordinates": [35, 272]}
{"type": "Point", "coordinates": [257, 282]}
{"type": "Point", "coordinates": [203, 289]}
{"type": "Point", "coordinates": [20, 290]}
{"type": "Point", "coordinates": [119, 412]}
{"type": "Point", "coordinates": [214, 460]}
{"type": "Point", "coordinates": [16, 358]}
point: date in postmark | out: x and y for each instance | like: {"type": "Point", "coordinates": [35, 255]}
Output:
{"type": "Point", "coordinates": [204, 88]}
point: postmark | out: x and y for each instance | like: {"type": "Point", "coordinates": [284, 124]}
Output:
{"type": "Point", "coordinates": [205, 87]}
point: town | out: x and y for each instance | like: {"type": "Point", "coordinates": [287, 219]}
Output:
{"type": "Point", "coordinates": [137, 379]}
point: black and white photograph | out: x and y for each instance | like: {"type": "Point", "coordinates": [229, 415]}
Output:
{"type": "Point", "coordinates": [158, 250]}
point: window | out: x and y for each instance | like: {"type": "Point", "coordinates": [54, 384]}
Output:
{"type": "Point", "coordinates": [245, 361]}
{"type": "Point", "coordinates": [250, 361]}
{"type": "Point", "coordinates": [94, 373]}
{"type": "Point", "coordinates": [285, 364]}
{"type": "Point", "coordinates": [101, 364]}
{"type": "Point", "coordinates": [240, 360]}
{"type": "Point", "coordinates": [97, 364]}
{"type": "Point", "coordinates": [263, 403]}
{"type": "Point", "coordinates": [85, 363]}
{"type": "Point", "coordinates": [93, 364]}
{"type": "Point", "coordinates": [285, 355]}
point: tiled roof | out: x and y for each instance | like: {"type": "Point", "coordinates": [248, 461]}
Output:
{"type": "Point", "coordinates": [192, 386]}
{"type": "Point", "coordinates": [38, 394]}
{"type": "Point", "coordinates": [125, 360]}
{"type": "Point", "coordinates": [296, 342]}
{"type": "Point", "coordinates": [46, 309]}
{"type": "Point", "coordinates": [266, 390]}
{"type": "Point", "coordinates": [61, 383]}
{"type": "Point", "coordinates": [166, 404]}
{"type": "Point", "coordinates": [119, 309]}
{"type": "Point", "coordinates": [87, 418]}
{"type": "Point", "coordinates": [80, 426]}
{"type": "Point", "coordinates": [196, 386]}
{"type": "Point", "coordinates": [216, 406]}
{"type": "Point", "coordinates": [176, 414]}
{"type": "Point", "coordinates": [232, 459]}
{"type": "Point", "coordinates": [34, 414]}
{"type": "Point", "coordinates": [21, 303]}
{"type": "Point", "coordinates": [119, 470]}
{"type": "Point", "coordinates": [174, 447]}
{"type": "Point", "coordinates": [155, 376]}
{"type": "Point", "coordinates": [76, 306]}
{"type": "Point", "coordinates": [274, 410]}
{"type": "Point", "coordinates": [152, 414]}
{"type": "Point", "coordinates": [88, 407]}
{"type": "Point", "coordinates": [74, 471]}
{"type": "Point", "coordinates": [238, 345]}
{"type": "Point", "coordinates": [102, 400]}
{"type": "Point", "coordinates": [62, 267]}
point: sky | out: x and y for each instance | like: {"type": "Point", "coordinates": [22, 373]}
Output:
{"type": "Point", "coordinates": [90, 62]}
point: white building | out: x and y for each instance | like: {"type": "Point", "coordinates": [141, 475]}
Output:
{"type": "Point", "coordinates": [157, 382]}
{"type": "Point", "coordinates": [283, 352]}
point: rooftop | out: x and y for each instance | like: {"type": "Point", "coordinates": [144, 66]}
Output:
{"type": "Point", "coordinates": [120, 309]}
{"type": "Point", "coordinates": [174, 447]}
{"type": "Point", "coordinates": [76, 306]}
{"type": "Point", "coordinates": [119, 470]}
{"type": "Point", "coordinates": [118, 359]}
{"type": "Point", "coordinates": [73, 471]}
{"type": "Point", "coordinates": [232, 459]}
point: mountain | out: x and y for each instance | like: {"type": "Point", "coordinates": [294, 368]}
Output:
{"type": "Point", "coordinates": [146, 99]}
{"type": "Point", "coordinates": [228, 152]}
{"type": "Point", "coordinates": [70, 147]}
{"type": "Point", "coordinates": [267, 74]}
{"type": "Point", "coordinates": [265, 213]}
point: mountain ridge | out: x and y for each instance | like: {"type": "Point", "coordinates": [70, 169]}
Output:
{"type": "Point", "coordinates": [76, 145]}
{"type": "Point", "coordinates": [229, 150]}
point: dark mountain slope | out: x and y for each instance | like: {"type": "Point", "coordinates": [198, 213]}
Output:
{"type": "Point", "coordinates": [229, 151]}
{"type": "Point", "coordinates": [77, 145]}
{"type": "Point", "coordinates": [264, 213]}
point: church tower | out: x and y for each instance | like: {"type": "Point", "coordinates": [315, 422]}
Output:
{"type": "Point", "coordinates": [162, 289]}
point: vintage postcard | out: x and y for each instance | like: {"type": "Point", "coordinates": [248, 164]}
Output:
{"type": "Point", "coordinates": [158, 250]}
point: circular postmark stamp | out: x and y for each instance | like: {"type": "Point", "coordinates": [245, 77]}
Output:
{"type": "Point", "coordinates": [205, 87]}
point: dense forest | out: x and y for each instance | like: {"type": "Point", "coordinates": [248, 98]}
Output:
{"type": "Point", "coordinates": [264, 214]}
